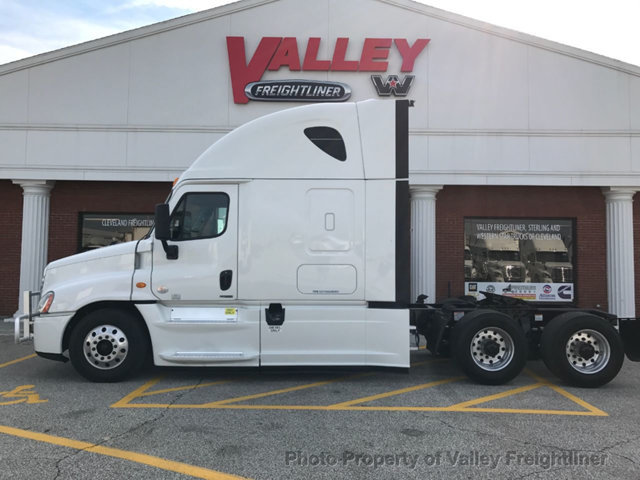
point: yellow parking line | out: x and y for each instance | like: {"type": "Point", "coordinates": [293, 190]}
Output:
{"type": "Point", "coordinates": [157, 462]}
{"type": "Point", "coordinates": [537, 377]}
{"type": "Point", "coordinates": [180, 389]}
{"type": "Point", "coordinates": [280, 391]}
{"type": "Point", "coordinates": [564, 393]}
{"type": "Point", "coordinates": [392, 393]}
{"type": "Point", "coordinates": [582, 403]}
{"type": "Point", "coordinates": [355, 405]}
{"type": "Point", "coordinates": [364, 408]}
{"type": "Point", "coordinates": [17, 360]}
{"type": "Point", "coordinates": [496, 396]}
{"type": "Point", "coordinates": [527, 411]}
{"type": "Point", "coordinates": [136, 393]}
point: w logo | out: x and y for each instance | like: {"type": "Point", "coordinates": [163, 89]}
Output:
{"type": "Point", "coordinates": [392, 85]}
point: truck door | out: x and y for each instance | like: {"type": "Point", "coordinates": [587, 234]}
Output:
{"type": "Point", "coordinates": [204, 227]}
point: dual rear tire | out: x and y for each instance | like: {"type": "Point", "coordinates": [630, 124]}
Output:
{"type": "Point", "coordinates": [582, 349]}
{"type": "Point", "coordinates": [489, 346]}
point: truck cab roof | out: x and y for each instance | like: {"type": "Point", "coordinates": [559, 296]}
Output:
{"type": "Point", "coordinates": [346, 141]}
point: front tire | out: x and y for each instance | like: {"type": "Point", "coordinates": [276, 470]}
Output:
{"type": "Point", "coordinates": [582, 349]}
{"type": "Point", "coordinates": [108, 345]}
{"type": "Point", "coordinates": [489, 346]}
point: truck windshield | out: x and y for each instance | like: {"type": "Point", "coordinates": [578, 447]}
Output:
{"type": "Point", "coordinates": [559, 257]}
{"type": "Point", "coordinates": [504, 255]}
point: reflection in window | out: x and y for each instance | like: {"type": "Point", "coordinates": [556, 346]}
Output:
{"type": "Point", "coordinates": [100, 230]}
{"type": "Point", "coordinates": [552, 257]}
{"type": "Point", "coordinates": [504, 255]}
{"type": "Point", "coordinates": [199, 215]}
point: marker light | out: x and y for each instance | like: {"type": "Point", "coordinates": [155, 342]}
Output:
{"type": "Point", "coordinates": [141, 284]}
{"type": "Point", "coordinates": [45, 302]}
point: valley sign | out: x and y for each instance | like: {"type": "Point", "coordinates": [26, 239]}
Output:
{"type": "Point", "coordinates": [274, 53]}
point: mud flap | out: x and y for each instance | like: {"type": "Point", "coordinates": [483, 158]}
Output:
{"type": "Point", "coordinates": [630, 334]}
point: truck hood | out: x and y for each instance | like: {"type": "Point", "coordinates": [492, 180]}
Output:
{"type": "Point", "coordinates": [101, 254]}
{"type": "Point", "coordinates": [98, 275]}
{"type": "Point", "coordinates": [505, 263]}
{"type": "Point", "coordinates": [108, 262]}
{"type": "Point", "coordinates": [558, 265]}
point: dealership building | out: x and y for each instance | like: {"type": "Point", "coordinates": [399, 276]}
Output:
{"type": "Point", "coordinates": [524, 153]}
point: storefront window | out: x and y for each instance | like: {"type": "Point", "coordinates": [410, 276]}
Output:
{"type": "Point", "coordinates": [100, 230]}
{"type": "Point", "coordinates": [532, 259]}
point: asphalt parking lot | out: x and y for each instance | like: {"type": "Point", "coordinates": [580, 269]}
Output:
{"type": "Point", "coordinates": [311, 424]}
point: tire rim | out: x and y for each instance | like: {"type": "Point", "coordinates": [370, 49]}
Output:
{"type": "Point", "coordinates": [492, 349]}
{"type": "Point", "coordinates": [588, 351]}
{"type": "Point", "coordinates": [105, 347]}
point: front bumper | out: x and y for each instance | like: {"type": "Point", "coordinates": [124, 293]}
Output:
{"type": "Point", "coordinates": [48, 331]}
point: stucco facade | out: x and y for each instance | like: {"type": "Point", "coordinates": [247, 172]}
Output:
{"type": "Point", "coordinates": [500, 118]}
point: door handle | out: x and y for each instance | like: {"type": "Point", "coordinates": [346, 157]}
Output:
{"type": "Point", "coordinates": [226, 277]}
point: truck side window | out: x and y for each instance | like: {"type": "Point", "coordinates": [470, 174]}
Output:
{"type": "Point", "coordinates": [199, 215]}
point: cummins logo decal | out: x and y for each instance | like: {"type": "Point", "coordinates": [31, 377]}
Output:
{"type": "Point", "coordinates": [565, 292]}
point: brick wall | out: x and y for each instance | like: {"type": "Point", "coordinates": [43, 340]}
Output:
{"type": "Point", "coordinates": [10, 240]}
{"type": "Point", "coordinates": [68, 200]}
{"type": "Point", "coordinates": [454, 203]}
{"type": "Point", "coordinates": [585, 204]}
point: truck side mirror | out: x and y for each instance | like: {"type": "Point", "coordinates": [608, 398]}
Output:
{"type": "Point", "coordinates": [162, 231]}
{"type": "Point", "coordinates": [161, 222]}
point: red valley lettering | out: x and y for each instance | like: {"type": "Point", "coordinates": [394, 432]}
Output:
{"type": "Point", "coordinates": [274, 53]}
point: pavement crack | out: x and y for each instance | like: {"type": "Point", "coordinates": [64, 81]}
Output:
{"type": "Point", "coordinates": [541, 446]}
{"type": "Point", "coordinates": [132, 429]}
{"type": "Point", "coordinates": [537, 472]}
{"type": "Point", "coordinates": [606, 450]}
{"type": "Point", "coordinates": [159, 416]}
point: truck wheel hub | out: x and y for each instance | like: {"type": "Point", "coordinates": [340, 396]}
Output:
{"type": "Point", "coordinates": [105, 347]}
{"type": "Point", "coordinates": [492, 349]}
{"type": "Point", "coordinates": [588, 351]}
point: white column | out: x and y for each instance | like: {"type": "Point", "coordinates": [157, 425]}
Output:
{"type": "Point", "coordinates": [620, 261]}
{"type": "Point", "coordinates": [423, 241]}
{"type": "Point", "coordinates": [35, 233]}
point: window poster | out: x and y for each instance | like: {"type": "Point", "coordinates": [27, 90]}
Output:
{"type": "Point", "coordinates": [531, 259]}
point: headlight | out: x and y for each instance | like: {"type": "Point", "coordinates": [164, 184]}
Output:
{"type": "Point", "coordinates": [45, 302]}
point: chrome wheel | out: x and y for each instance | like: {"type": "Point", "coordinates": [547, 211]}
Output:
{"type": "Point", "coordinates": [492, 349]}
{"type": "Point", "coordinates": [588, 351]}
{"type": "Point", "coordinates": [105, 347]}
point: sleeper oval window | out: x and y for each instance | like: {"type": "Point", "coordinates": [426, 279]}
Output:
{"type": "Point", "coordinates": [199, 215]}
{"type": "Point", "coordinates": [328, 140]}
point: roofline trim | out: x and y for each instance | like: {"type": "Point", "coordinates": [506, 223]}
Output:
{"type": "Point", "coordinates": [131, 35]}
{"type": "Point", "coordinates": [242, 5]}
{"type": "Point", "coordinates": [514, 35]}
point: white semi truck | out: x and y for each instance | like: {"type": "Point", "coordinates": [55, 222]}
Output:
{"type": "Point", "coordinates": [547, 260]}
{"type": "Point", "coordinates": [287, 243]}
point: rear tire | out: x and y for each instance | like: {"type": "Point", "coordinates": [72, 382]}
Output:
{"type": "Point", "coordinates": [489, 346]}
{"type": "Point", "coordinates": [582, 349]}
{"type": "Point", "coordinates": [108, 345]}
